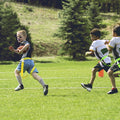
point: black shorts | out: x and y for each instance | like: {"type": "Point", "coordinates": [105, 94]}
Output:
{"type": "Point", "coordinates": [103, 66]}
{"type": "Point", "coordinates": [114, 67]}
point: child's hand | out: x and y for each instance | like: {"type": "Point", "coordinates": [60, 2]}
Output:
{"type": "Point", "coordinates": [107, 42]}
{"type": "Point", "coordinates": [11, 48]}
{"type": "Point", "coordinates": [87, 53]}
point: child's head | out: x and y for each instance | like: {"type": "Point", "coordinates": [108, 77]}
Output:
{"type": "Point", "coordinates": [21, 35]}
{"type": "Point", "coordinates": [95, 34]}
{"type": "Point", "coordinates": [116, 31]}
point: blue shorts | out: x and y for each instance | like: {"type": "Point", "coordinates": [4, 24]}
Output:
{"type": "Point", "coordinates": [28, 66]}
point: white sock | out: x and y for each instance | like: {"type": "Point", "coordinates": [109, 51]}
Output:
{"type": "Point", "coordinates": [42, 82]}
{"type": "Point", "coordinates": [19, 79]}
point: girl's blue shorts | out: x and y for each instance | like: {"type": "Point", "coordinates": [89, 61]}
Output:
{"type": "Point", "coordinates": [28, 66]}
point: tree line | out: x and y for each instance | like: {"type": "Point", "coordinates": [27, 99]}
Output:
{"type": "Point", "coordinates": [105, 5]}
{"type": "Point", "coordinates": [78, 17]}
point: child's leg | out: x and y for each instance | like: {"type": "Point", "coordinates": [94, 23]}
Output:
{"type": "Point", "coordinates": [112, 78]}
{"type": "Point", "coordinates": [17, 75]}
{"type": "Point", "coordinates": [89, 85]}
{"type": "Point", "coordinates": [116, 74]}
{"type": "Point", "coordinates": [20, 86]}
{"type": "Point", "coordinates": [94, 70]}
{"type": "Point", "coordinates": [38, 78]}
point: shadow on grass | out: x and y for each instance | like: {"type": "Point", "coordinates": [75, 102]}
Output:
{"type": "Point", "coordinates": [63, 95]}
{"type": "Point", "coordinates": [39, 61]}
{"type": "Point", "coordinates": [89, 58]}
{"type": "Point", "coordinates": [5, 62]}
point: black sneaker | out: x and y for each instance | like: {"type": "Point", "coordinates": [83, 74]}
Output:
{"type": "Point", "coordinates": [113, 91]}
{"type": "Point", "coordinates": [19, 87]}
{"type": "Point", "coordinates": [45, 89]}
{"type": "Point", "coordinates": [87, 86]}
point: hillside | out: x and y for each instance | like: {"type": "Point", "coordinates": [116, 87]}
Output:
{"type": "Point", "coordinates": [44, 22]}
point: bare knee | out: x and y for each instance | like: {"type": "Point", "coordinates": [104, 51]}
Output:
{"type": "Point", "coordinates": [16, 72]}
{"type": "Point", "coordinates": [36, 76]}
{"type": "Point", "coordinates": [94, 70]}
{"type": "Point", "coordinates": [110, 73]}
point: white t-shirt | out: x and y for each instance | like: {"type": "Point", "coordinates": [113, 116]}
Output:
{"type": "Point", "coordinates": [115, 45]}
{"type": "Point", "coordinates": [100, 50]}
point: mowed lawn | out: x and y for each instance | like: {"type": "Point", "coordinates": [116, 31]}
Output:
{"type": "Point", "coordinates": [66, 100]}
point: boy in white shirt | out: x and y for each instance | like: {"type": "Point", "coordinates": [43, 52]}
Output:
{"type": "Point", "coordinates": [114, 46]}
{"type": "Point", "coordinates": [99, 49]}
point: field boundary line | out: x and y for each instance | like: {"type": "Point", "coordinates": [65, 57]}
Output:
{"type": "Point", "coordinates": [43, 70]}
{"type": "Point", "coordinates": [36, 88]}
{"type": "Point", "coordinates": [53, 78]}
{"type": "Point", "coordinates": [5, 79]}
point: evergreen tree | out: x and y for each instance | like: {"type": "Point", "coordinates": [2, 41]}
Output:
{"type": "Point", "coordinates": [95, 20]}
{"type": "Point", "coordinates": [9, 25]}
{"type": "Point", "coordinates": [74, 29]}
{"type": "Point", "coordinates": [94, 15]}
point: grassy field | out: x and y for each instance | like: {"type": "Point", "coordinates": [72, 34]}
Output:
{"type": "Point", "coordinates": [66, 100]}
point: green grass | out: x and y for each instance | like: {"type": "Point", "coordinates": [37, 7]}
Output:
{"type": "Point", "coordinates": [66, 100]}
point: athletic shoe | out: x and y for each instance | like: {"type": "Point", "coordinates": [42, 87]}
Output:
{"type": "Point", "coordinates": [113, 91]}
{"type": "Point", "coordinates": [87, 86]}
{"type": "Point", "coordinates": [19, 87]}
{"type": "Point", "coordinates": [45, 89]}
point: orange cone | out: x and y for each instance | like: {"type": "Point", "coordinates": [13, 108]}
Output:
{"type": "Point", "coordinates": [101, 73]}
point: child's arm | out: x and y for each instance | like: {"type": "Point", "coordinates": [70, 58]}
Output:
{"type": "Point", "coordinates": [109, 48]}
{"type": "Point", "coordinates": [107, 42]}
{"type": "Point", "coordinates": [23, 49]}
{"type": "Point", "coordinates": [89, 53]}
{"type": "Point", "coordinates": [11, 48]}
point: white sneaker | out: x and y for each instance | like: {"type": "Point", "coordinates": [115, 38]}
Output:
{"type": "Point", "coordinates": [19, 87]}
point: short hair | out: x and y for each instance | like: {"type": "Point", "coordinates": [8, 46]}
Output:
{"type": "Point", "coordinates": [23, 32]}
{"type": "Point", "coordinates": [96, 32]}
{"type": "Point", "coordinates": [116, 30]}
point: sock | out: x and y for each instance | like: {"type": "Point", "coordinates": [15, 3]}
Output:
{"type": "Point", "coordinates": [19, 79]}
{"type": "Point", "coordinates": [114, 88]}
{"type": "Point", "coordinates": [42, 82]}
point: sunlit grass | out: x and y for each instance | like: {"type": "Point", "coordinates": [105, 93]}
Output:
{"type": "Point", "coordinates": [66, 100]}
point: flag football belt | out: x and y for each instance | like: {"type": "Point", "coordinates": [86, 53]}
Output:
{"type": "Point", "coordinates": [104, 62]}
{"type": "Point", "coordinates": [22, 65]}
{"type": "Point", "coordinates": [103, 58]}
{"type": "Point", "coordinates": [118, 63]}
